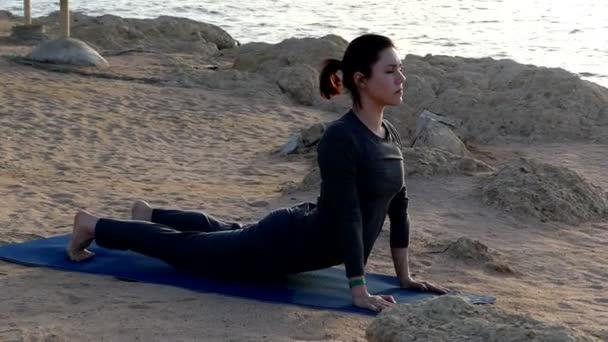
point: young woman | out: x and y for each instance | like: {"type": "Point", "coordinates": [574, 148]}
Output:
{"type": "Point", "coordinates": [362, 180]}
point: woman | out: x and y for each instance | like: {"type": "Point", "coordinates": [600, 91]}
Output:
{"type": "Point", "coordinates": [362, 181]}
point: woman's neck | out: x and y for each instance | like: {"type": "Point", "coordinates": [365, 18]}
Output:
{"type": "Point", "coordinates": [371, 116]}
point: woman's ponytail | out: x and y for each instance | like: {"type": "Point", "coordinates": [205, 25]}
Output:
{"type": "Point", "coordinates": [330, 83]}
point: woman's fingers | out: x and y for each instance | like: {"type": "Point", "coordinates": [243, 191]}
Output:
{"type": "Point", "coordinates": [420, 286]}
{"type": "Point", "coordinates": [435, 288]}
{"type": "Point", "coordinates": [383, 303]}
{"type": "Point", "coordinates": [389, 298]}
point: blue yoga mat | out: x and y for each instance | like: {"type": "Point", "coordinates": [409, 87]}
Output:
{"type": "Point", "coordinates": [325, 289]}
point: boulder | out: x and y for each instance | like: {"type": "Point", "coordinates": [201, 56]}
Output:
{"type": "Point", "coordinates": [433, 130]}
{"type": "Point", "coordinates": [67, 51]}
{"type": "Point", "coordinates": [313, 134]}
{"type": "Point", "coordinates": [301, 82]}
{"type": "Point", "coordinates": [304, 141]}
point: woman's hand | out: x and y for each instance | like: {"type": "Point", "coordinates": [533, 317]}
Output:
{"type": "Point", "coordinates": [372, 302]}
{"type": "Point", "coordinates": [422, 285]}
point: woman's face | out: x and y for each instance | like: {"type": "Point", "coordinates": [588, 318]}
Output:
{"type": "Point", "coordinates": [385, 85]}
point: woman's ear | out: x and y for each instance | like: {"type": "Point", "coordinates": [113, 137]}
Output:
{"type": "Point", "coordinates": [359, 79]}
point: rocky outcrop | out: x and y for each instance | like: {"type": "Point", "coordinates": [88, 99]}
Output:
{"type": "Point", "coordinates": [294, 64]}
{"type": "Point", "coordinates": [269, 58]}
{"type": "Point", "coordinates": [163, 34]}
{"type": "Point", "coordinates": [495, 99]}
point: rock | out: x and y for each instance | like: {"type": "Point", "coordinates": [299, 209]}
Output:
{"type": "Point", "coordinates": [501, 99]}
{"type": "Point", "coordinates": [452, 319]}
{"type": "Point", "coordinates": [67, 51]}
{"type": "Point", "coordinates": [437, 134]}
{"type": "Point", "coordinates": [292, 145]}
{"type": "Point", "coordinates": [313, 134]}
{"type": "Point", "coordinates": [268, 58]}
{"type": "Point", "coordinates": [301, 82]}
{"type": "Point", "coordinates": [304, 141]}
{"type": "Point", "coordinates": [28, 33]}
{"type": "Point", "coordinates": [525, 187]}
{"type": "Point", "coordinates": [426, 116]}
{"type": "Point", "coordinates": [294, 64]}
{"type": "Point", "coordinates": [163, 34]}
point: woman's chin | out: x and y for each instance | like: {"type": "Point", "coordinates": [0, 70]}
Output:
{"type": "Point", "coordinates": [395, 102]}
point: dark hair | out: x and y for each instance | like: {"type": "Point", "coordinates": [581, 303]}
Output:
{"type": "Point", "coordinates": [360, 55]}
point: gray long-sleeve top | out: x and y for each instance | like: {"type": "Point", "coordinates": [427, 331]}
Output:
{"type": "Point", "coordinates": [362, 179]}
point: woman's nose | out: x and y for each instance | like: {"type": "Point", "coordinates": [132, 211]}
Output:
{"type": "Point", "coordinates": [401, 78]}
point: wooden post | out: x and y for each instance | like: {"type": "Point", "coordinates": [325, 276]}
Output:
{"type": "Point", "coordinates": [65, 18]}
{"type": "Point", "coordinates": [27, 12]}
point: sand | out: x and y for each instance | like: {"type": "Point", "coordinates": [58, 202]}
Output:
{"type": "Point", "coordinates": [72, 141]}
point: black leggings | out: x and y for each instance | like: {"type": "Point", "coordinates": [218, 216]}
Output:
{"type": "Point", "coordinates": [200, 243]}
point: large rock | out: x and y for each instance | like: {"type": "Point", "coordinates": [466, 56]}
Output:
{"type": "Point", "coordinates": [432, 130]}
{"type": "Point", "coordinates": [165, 34]}
{"type": "Point", "coordinates": [550, 193]}
{"type": "Point", "coordinates": [301, 82]}
{"type": "Point", "coordinates": [304, 141]}
{"type": "Point", "coordinates": [498, 99]}
{"type": "Point", "coordinates": [452, 319]}
{"type": "Point", "coordinates": [294, 64]}
{"type": "Point", "coordinates": [67, 51]}
{"type": "Point", "coordinates": [269, 58]}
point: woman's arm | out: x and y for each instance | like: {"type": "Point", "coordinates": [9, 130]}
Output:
{"type": "Point", "coordinates": [400, 240]}
{"type": "Point", "coordinates": [402, 268]}
{"type": "Point", "coordinates": [337, 160]}
{"type": "Point", "coordinates": [402, 264]}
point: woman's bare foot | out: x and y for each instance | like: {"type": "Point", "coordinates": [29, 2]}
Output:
{"type": "Point", "coordinates": [141, 211]}
{"type": "Point", "coordinates": [82, 236]}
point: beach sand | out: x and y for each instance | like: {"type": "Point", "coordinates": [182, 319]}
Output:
{"type": "Point", "coordinates": [70, 142]}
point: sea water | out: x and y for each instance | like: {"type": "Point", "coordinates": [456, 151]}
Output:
{"type": "Point", "coordinates": [569, 34]}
